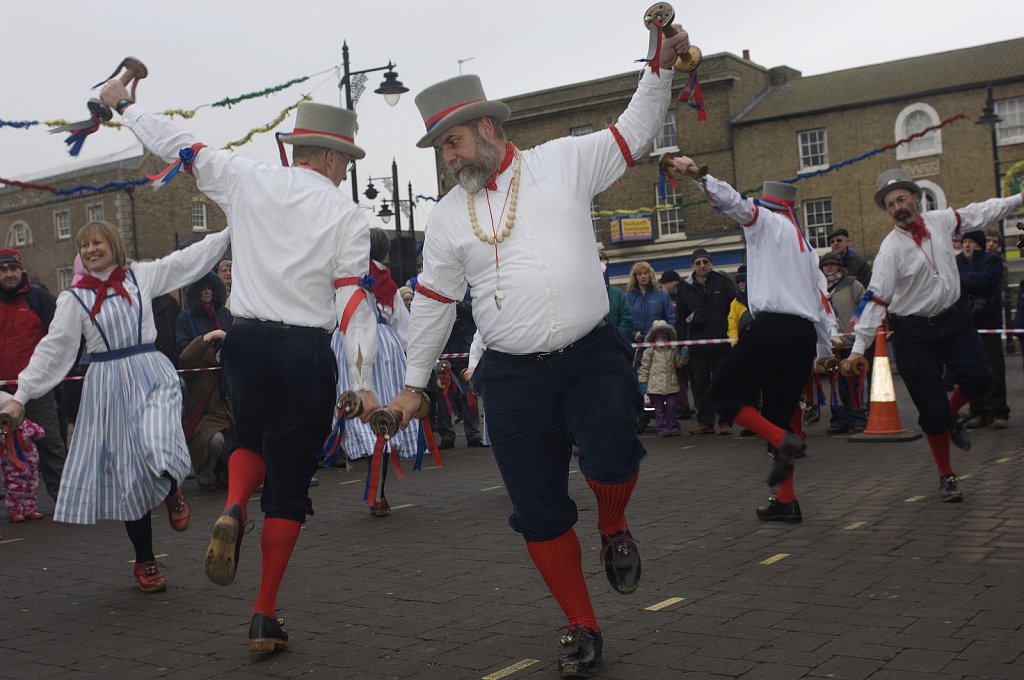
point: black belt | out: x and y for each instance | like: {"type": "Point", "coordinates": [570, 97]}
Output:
{"type": "Point", "coordinates": [543, 356]}
{"type": "Point", "coordinates": [927, 320]}
{"type": "Point", "coordinates": [276, 325]}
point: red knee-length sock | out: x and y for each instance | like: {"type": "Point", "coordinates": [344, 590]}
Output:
{"type": "Point", "coordinates": [558, 562]}
{"type": "Point", "coordinates": [612, 500]}
{"type": "Point", "coordinates": [785, 492]}
{"type": "Point", "coordinates": [796, 422]}
{"type": "Point", "coordinates": [748, 418]}
{"type": "Point", "coordinates": [246, 471]}
{"type": "Point", "coordinates": [277, 543]}
{"type": "Point", "coordinates": [956, 401]}
{"type": "Point", "coordinates": [939, 444]}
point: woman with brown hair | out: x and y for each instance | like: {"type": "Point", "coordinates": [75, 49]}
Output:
{"type": "Point", "coordinates": [128, 454]}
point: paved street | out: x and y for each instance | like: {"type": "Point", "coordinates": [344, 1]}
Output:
{"type": "Point", "coordinates": [881, 580]}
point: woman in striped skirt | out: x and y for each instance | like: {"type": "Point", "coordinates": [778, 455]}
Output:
{"type": "Point", "coordinates": [128, 454]}
{"type": "Point", "coordinates": [388, 369]}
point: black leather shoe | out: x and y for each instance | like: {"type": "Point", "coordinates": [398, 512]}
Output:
{"type": "Point", "coordinates": [225, 544]}
{"type": "Point", "coordinates": [958, 433]}
{"type": "Point", "coordinates": [780, 512]}
{"type": "Point", "coordinates": [949, 489]}
{"type": "Point", "coordinates": [782, 458]}
{"type": "Point", "coordinates": [476, 443]}
{"type": "Point", "coordinates": [267, 635]}
{"type": "Point", "coordinates": [579, 652]}
{"type": "Point", "coordinates": [621, 559]}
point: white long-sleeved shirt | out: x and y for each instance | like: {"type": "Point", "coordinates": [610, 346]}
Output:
{"type": "Point", "coordinates": [782, 269]}
{"type": "Point", "coordinates": [554, 293]}
{"type": "Point", "coordinates": [55, 354]}
{"type": "Point", "coordinates": [294, 233]}
{"type": "Point", "coordinates": [923, 280]}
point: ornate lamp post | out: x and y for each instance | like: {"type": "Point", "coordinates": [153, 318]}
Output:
{"type": "Point", "coordinates": [394, 209]}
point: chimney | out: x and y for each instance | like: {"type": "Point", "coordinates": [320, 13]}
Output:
{"type": "Point", "coordinates": [746, 55]}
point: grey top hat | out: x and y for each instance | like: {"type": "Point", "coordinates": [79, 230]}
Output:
{"type": "Point", "coordinates": [778, 195]}
{"type": "Point", "coordinates": [891, 180]}
{"type": "Point", "coordinates": [328, 126]}
{"type": "Point", "coordinates": [453, 102]}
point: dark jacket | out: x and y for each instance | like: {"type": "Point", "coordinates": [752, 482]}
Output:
{"type": "Point", "coordinates": [619, 313]}
{"type": "Point", "coordinates": [194, 320]}
{"type": "Point", "coordinates": [981, 291]}
{"type": "Point", "coordinates": [857, 267]}
{"type": "Point", "coordinates": [705, 309]}
{"type": "Point", "coordinates": [25, 316]}
{"type": "Point", "coordinates": [462, 333]}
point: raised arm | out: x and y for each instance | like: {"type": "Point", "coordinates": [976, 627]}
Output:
{"type": "Point", "coordinates": [184, 266]}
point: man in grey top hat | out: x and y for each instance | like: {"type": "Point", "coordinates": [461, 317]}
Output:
{"type": "Point", "coordinates": [915, 279]}
{"type": "Point", "coordinates": [300, 247]}
{"type": "Point", "coordinates": [793, 324]}
{"type": "Point", "coordinates": [517, 228]}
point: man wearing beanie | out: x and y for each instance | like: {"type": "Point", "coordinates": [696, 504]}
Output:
{"type": "Point", "coordinates": [792, 324]}
{"type": "Point", "coordinates": [915, 280]}
{"type": "Point", "coordinates": [517, 228]}
{"type": "Point", "coordinates": [25, 316]}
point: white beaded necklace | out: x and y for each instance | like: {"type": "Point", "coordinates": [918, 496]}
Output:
{"type": "Point", "coordinates": [496, 237]}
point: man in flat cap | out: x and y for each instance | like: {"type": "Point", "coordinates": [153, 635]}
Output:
{"type": "Point", "coordinates": [855, 265]}
{"type": "Point", "coordinates": [915, 280]}
{"type": "Point", "coordinates": [793, 325]}
{"type": "Point", "coordinates": [300, 247]}
{"type": "Point", "coordinates": [518, 229]}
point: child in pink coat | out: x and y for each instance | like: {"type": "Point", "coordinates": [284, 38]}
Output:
{"type": "Point", "coordinates": [21, 477]}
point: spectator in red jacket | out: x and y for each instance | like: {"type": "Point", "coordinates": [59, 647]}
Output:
{"type": "Point", "coordinates": [25, 315]}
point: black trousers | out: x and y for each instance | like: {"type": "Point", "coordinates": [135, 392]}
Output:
{"type": "Point", "coordinates": [993, 404]}
{"type": "Point", "coordinates": [705, 369]}
{"type": "Point", "coordinates": [773, 356]}
{"type": "Point", "coordinates": [281, 383]}
{"type": "Point", "coordinates": [923, 349]}
{"type": "Point", "coordinates": [52, 452]}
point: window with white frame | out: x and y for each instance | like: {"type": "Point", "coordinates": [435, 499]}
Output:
{"type": "Point", "coordinates": [667, 140]}
{"type": "Point", "coordinates": [1010, 130]}
{"type": "Point", "coordinates": [64, 276]}
{"type": "Point", "coordinates": [670, 220]}
{"type": "Point", "coordinates": [818, 221]}
{"type": "Point", "coordinates": [813, 149]}
{"type": "Point", "coordinates": [62, 224]}
{"type": "Point", "coordinates": [580, 130]}
{"type": "Point", "coordinates": [198, 216]}
{"type": "Point", "coordinates": [95, 213]}
{"type": "Point", "coordinates": [913, 120]}
{"type": "Point", "coordinates": [932, 195]}
{"type": "Point", "coordinates": [19, 235]}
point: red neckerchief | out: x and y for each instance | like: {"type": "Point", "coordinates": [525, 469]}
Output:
{"type": "Point", "coordinates": [510, 153]}
{"type": "Point", "coordinates": [918, 231]}
{"type": "Point", "coordinates": [384, 289]}
{"type": "Point", "coordinates": [100, 286]}
{"type": "Point", "coordinates": [210, 311]}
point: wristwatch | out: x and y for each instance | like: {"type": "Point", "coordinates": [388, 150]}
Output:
{"type": "Point", "coordinates": [122, 104]}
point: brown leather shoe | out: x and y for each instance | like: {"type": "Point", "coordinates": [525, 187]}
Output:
{"type": "Point", "coordinates": [149, 578]}
{"type": "Point", "coordinates": [724, 428]}
{"type": "Point", "coordinates": [702, 429]}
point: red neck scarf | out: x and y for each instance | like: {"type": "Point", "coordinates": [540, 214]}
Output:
{"type": "Point", "coordinates": [115, 281]}
{"type": "Point", "coordinates": [918, 231]}
{"type": "Point", "coordinates": [211, 312]}
{"type": "Point", "coordinates": [510, 153]}
{"type": "Point", "coordinates": [384, 289]}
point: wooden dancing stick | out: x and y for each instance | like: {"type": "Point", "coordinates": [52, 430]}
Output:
{"type": "Point", "coordinates": [665, 14]}
{"type": "Point", "coordinates": [693, 170]}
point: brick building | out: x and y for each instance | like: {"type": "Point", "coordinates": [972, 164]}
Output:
{"type": "Point", "coordinates": [773, 123]}
{"type": "Point", "coordinates": [42, 225]}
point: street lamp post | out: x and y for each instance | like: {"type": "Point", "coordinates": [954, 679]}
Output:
{"type": "Point", "coordinates": [991, 118]}
{"type": "Point", "coordinates": [391, 88]}
{"type": "Point", "coordinates": [387, 211]}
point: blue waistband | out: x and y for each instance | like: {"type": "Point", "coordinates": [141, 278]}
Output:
{"type": "Point", "coordinates": [122, 353]}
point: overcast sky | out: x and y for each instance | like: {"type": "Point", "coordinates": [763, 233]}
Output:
{"type": "Point", "coordinates": [200, 52]}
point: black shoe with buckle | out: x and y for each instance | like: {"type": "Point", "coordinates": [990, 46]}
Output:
{"type": "Point", "coordinates": [780, 512]}
{"type": "Point", "coordinates": [579, 652]}
{"type": "Point", "coordinates": [782, 458]}
{"type": "Point", "coordinates": [949, 489]}
{"type": "Point", "coordinates": [958, 433]}
{"type": "Point", "coordinates": [225, 544]}
{"type": "Point", "coordinates": [267, 634]}
{"type": "Point", "coordinates": [621, 559]}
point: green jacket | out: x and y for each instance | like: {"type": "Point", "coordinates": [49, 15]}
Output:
{"type": "Point", "coordinates": [619, 313]}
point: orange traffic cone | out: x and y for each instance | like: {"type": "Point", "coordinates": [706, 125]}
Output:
{"type": "Point", "coordinates": [883, 418]}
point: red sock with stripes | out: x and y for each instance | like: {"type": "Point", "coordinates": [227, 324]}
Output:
{"type": "Point", "coordinates": [956, 402]}
{"type": "Point", "coordinates": [246, 471]}
{"type": "Point", "coordinates": [748, 418]}
{"type": "Point", "coordinates": [796, 422]}
{"type": "Point", "coordinates": [558, 562]}
{"type": "Point", "coordinates": [785, 492]}
{"type": "Point", "coordinates": [277, 542]}
{"type": "Point", "coordinates": [612, 500]}
{"type": "Point", "coordinates": [939, 444]}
